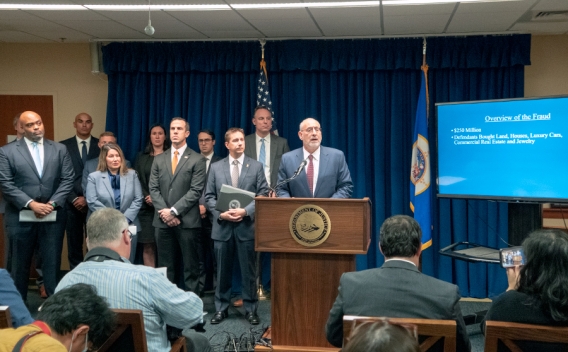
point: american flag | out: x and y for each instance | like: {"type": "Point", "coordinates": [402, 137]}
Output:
{"type": "Point", "coordinates": [263, 93]}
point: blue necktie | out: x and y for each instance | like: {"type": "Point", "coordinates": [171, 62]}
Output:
{"type": "Point", "coordinates": [84, 152]}
{"type": "Point", "coordinates": [37, 158]}
{"type": "Point", "coordinates": [262, 156]}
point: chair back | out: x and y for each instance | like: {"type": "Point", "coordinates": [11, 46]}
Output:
{"type": "Point", "coordinates": [508, 333]}
{"type": "Point", "coordinates": [430, 330]}
{"type": "Point", "coordinates": [5, 317]}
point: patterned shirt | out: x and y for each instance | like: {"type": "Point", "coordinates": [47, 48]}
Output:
{"type": "Point", "coordinates": [128, 286]}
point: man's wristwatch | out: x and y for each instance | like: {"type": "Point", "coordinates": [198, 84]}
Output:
{"type": "Point", "coordinates": [54, 205]}
{"type": "Point", "coordinates": [173, 213]}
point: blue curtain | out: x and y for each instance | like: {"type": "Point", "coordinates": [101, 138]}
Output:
{"type": "Point", "coordinates": [364, 92]}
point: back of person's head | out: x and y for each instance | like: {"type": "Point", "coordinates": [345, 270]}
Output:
{"type": "Point", "coordinates": [105, 226]}
{"type": "Point", "coordinates": [78, 305]}
{"type": "Point", "coordinates": [400, 236]}
{"type": "Point", "coordinates": [381, 336]}
{"type": "Point", "coordinates": [544, 276]}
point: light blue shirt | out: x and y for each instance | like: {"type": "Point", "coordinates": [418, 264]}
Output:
{"type": "Point", "coordinates": [129, 286]}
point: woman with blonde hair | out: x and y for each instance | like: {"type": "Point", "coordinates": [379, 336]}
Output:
{"type": "Point", "coordinates": [113, 185]}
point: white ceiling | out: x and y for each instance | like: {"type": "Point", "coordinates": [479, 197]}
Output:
{"type": "Point", "coordinates": [378, 21]}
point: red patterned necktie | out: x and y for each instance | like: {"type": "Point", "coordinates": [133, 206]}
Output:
{"type": "Point", "coordinates": [310, 174]}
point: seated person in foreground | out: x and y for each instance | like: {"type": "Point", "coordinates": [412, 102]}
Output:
{"type": "Point", "coordinates": [9, 296]}
{"type": "Point", "coordinates": [397, 289]}
{"type": "Point", "coordinates": [382, 336]}
{"type": "Point", "coordinates": [538, 291]}
{"type": "Point", "coordinates": [129, 286]}
{"type": "Point", "coordinates": [74, 319]}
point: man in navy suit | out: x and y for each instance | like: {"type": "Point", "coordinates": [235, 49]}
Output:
{"type": "Point", "coordinates": [81, 147]}
{"type": "Point", "coordinates": [325, 174]}
{"type": "Point", "coordinates": [233, 229]}
{"type": "Point", "coordinates": [35, 174]}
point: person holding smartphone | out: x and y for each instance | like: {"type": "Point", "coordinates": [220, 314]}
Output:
{"type": "Point", "coordinates": [537, 291]}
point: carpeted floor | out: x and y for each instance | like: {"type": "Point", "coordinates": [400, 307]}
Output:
{"type": "Point", "coordinates": [235, 326]}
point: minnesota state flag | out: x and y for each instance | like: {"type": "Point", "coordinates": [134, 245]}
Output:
{"type": "Point", "coordinates": [420, 167]}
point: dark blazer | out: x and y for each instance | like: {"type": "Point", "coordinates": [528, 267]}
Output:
{"type": "Point", "coordinates": [214, 159]}
{"type": "Point", "coordinates": [20, 181]}
{"type": "Point", "coordinates": [278, 146]}
{"type": "Point", "coordinates": [75, 154]}
{"type": "Point", "coordinates": [251, 179]}
{"type": "Point", "coordinates": [100, 194]}
{"type": "Point", "coordinates": [181, 190]}
{"type": "Point", "coordinates": [398, 290]}
{"type": "Point", "coordinates": [334, 179]}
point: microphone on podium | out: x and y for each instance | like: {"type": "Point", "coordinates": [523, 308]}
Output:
{"type": "Point", "coordinates": [296, 173]}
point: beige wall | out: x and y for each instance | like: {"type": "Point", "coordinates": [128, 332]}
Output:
{"type": "Point", "coordinates": [61, 70]}
{"type": "Point", "coordinates": [548, 72]}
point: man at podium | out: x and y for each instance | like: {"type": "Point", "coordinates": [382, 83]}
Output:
{"type": "Point", "coordinates": [326, 173]}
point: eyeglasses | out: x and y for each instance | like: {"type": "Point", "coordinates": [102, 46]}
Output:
{"type": "Point", "coordinates": [129, 233]}
{"type": "Point", "coordinates": [205, 140]}
{"type": "Point", "coordinates": [312, 129]}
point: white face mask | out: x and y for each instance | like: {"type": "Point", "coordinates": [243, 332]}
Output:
{"type": "Point", "coordinates": [86, 348]}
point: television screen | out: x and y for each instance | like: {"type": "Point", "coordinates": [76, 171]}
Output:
{"type": "Point", "coordinates": [503, 149]}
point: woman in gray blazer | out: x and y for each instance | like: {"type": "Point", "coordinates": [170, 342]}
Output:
{"type": "Point", "coordinates": [113, 185]}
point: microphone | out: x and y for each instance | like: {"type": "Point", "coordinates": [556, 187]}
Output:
{"type": "Point", "coordinates": [296, 173]}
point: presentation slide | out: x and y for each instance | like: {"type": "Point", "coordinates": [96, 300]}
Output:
{"type": "Point", "coordinates": [503, 149]}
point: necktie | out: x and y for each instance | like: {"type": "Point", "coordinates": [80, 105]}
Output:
{"type": "Point", "coordinates": [235, 174]}
{"type": "Point", "coordinates": [310, 174]}
{"type": "Point", "coordinates": [37, 158]}
{"type": "Point", "coordinates": [262, 155]}
{"type": "Point", "coordinates": [84, 152]}
{"type": "Point", "coordinates": [175, 162]}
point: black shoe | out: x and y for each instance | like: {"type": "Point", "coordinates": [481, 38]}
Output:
{"type": "Point", "coordinates": [252, 318]}
{"type": "Point", "coordinates": [219, 317]}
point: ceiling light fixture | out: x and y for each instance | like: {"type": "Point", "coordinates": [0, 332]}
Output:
{"type": "Point", "coordinates": [40, 7]}
{"type": "Point", "coordinates": [157, 7]}
{"type": "Point", "coordinates": [149, 29]}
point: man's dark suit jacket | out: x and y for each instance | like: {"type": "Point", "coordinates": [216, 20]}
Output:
{"type": "Point", "coordinates": [20, 180]}
{"type": "Point", "coordinates": [181, 190]}
{"type": "Point", "coordinates": [278, 146]}
{"type": "Point", "coordinates": [397, 290]}
{"type": "Point", "coordinates": [209, 218]}
{"type": "Point", "coordinates": [75, 154]}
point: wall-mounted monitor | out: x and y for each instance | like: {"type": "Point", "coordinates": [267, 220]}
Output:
{"type": "Point", "coordinates": [512, 150]}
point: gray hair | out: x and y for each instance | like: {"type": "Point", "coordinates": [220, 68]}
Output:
{"type": "Point", "coordinates": [308, 119]}
{"type": "Point", "coordinates": [105, 226]}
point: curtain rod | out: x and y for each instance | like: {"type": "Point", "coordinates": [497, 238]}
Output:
{"type": "Point", "coordinates": [307, 38]}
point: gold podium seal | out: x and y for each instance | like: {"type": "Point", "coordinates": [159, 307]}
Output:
{"type": "Point", "coordinates": [310, 225]}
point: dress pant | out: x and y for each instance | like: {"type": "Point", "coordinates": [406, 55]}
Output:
{"type": "Point", "coordinates": [207, 263]}
{"type": "Point", "coordinates": [75, 229]}
{"type": "Point", "coordinates": [48, 236]}
{"type": "Point", "coordinates": [225, 252]}
{"type": "Point", "coordinates": [176, 245]}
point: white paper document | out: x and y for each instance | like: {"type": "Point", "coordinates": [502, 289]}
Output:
{"type": "Point", "coordinates": [29, 216]}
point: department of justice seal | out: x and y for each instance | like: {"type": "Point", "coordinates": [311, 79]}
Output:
{"type": "Point", "coordinates": [234, 204]}
{"type": "Point", "coordinates": [310, 225]}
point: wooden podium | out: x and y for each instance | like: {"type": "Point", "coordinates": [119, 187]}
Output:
{"type": "Point", "coordinates": [305, 279]}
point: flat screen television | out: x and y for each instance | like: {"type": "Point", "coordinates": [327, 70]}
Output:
{"type": "Point", "coordinates": [511, 150]}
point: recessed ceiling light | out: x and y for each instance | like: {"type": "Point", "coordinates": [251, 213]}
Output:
{"type": "Point", "coordinates": [40, 7]}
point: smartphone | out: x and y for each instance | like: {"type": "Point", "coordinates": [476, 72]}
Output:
{"type": "Point", "coordinates": [512, 256]}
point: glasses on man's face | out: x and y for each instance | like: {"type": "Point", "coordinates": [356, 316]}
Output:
{"type": "Point", "coordinates": [129, 233]}
{"type": "Point", "coordinates": [205, 140]}
{"type": "Point", "coordinates": [312, 129]}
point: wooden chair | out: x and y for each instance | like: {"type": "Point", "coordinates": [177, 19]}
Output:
{"type": "Point", "coordinates": [430, 329]}
{"type": "Point", "coordinates": [130, 336]}
{"type": "Point", "coordinates": [5, 317]}
{"type": "Point", "coordinates": [509, 332]}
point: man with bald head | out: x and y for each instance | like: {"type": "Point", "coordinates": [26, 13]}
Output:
{"type": "Point", "coordinates": [81, 147]}
{"type": "Point", "coordinates": [36, 175]}
{"type": "Point", "coordinates": [325, 174]}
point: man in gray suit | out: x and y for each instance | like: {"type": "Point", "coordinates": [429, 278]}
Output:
{"type": "Point", "coordinates": [274, 146]}
{"type": "Point", "coordinates": [233, 229]}
{"type": "Point", "coordinates": [36, 174]}
{"type": "Point", "coordinates": [325, 174]}
{"type": "Point", "coordinates": [397, 289]}
{"type": "Point", "coordinates": [176, 183]}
